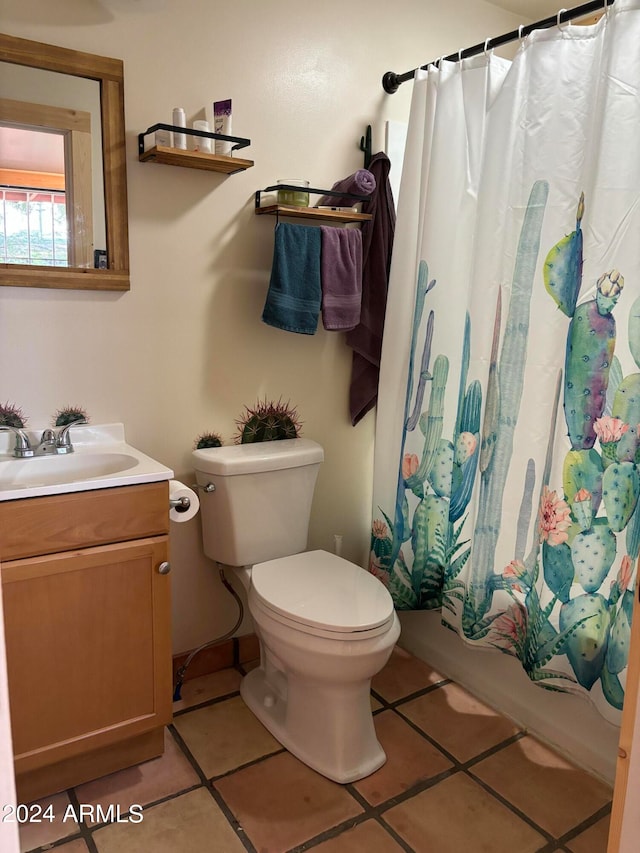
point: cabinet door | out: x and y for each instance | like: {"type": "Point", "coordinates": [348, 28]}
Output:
{"type": "Point", "coordinates": [88, 649]}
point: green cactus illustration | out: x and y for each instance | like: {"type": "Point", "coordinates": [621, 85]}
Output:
{"type": "Point", "coordinates": [590, 345]}
{"type": "Point", "coordinates": [586, 647]}
{"type": "Point", "coordinates": [620, 637]}
{"type": "Point", "coordinates": [620, 490]}
{"type": "Point", "coordinates": [431, 423]}
{"type": "Point", "coordinates": [633, 534]}
{"type": "Point", "coordinates": [592, 553]}
{"type": "Point", "coordinates": [440, 474]}
{"type": "Point", "coordinates": [563, 267]}
{"type": "Point", "coordinates": [626, 402]}
{"type": "Point", "coordinates": [510, 383]}
{"type": "Point", "coordinates": [558, 569]}
{"type": "Point", "coordinates": [582, 470]}
{"type": "Point", "coordinates": [634, 331]}
{"type": "Point", "coordinates": [492, 408]}
{"type": "Point", "coordinates": [428, 539]}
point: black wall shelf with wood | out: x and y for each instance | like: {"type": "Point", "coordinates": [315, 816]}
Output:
{"type": "Point", "coordinates": [194, 159]}
{"type": "Point", "coordinates": [311, 212]}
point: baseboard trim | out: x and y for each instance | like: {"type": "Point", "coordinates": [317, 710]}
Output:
{"type": "Point", "coordinates": [233, 652]}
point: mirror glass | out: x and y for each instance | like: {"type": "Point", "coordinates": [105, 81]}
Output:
{"type": "Point", "coordinates": [63, 201]}
{"type": "Point", "coordinates": [51, 171]}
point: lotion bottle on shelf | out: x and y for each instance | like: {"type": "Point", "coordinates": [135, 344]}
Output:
{"type": "Point", "coordinates": [179, 120]}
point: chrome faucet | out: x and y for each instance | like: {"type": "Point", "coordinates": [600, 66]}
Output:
{"type": "Point", "coordinates": [50, 444]}
{"type": "Point", "coordinates": [22, 449]}
{"type": "Point", "coordinates": [63, 441]}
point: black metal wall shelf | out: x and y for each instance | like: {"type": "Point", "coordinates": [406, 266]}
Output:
{"type": "Point", "coordinates": [194, 159]}
{"type": "Point", "coordinates": [329, 215]}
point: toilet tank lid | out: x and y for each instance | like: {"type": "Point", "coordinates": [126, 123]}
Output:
{"type": "Point", "coordinates": [261, 456]}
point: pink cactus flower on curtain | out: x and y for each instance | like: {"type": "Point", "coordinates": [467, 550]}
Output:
{"type": "Point", "coordinates": [554, 518]}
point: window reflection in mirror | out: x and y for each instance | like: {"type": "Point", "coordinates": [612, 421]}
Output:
{"type": "Point", "coordinates": [51, 173]}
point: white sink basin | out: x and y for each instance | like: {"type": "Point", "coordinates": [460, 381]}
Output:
{"type": "Point", "coordinates": [101, 459]}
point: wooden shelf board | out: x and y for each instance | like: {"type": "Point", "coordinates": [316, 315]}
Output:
{"type": "Point", "coordinates": [312, 213]}
{"type": "Point", "coordinates": [195, 160]}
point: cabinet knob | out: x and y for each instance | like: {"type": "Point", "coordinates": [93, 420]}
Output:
{"type": "Point", "coordinates": [164, 568]}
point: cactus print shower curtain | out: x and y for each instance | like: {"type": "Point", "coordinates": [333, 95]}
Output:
{"type": "Point", "coordinates": [507, 441]}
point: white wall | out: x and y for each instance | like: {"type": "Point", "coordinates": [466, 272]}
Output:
{"type": "Point", "coordinates": [185, 349]}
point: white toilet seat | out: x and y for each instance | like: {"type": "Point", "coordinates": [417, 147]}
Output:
{"type": "Point", "coordinates": [320, 593]}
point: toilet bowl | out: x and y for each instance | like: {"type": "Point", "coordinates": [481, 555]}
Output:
{"type": "Point", "coordinates": [325, 625]}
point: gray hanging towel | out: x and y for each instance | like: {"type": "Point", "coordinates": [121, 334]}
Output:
{"type": "Point", "coordinates": [294, 295]}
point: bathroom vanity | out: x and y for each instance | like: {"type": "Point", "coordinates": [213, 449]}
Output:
{"type": "Point", "coordinates": [86, 595]}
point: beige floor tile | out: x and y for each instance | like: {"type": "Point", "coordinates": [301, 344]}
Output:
{"type": "Point", "coordinates": [206, 687]}
{"type": "Point", "coordinates": [553, 793]}
{"type": "Point", "coordinates": [375, 705]}
{"type": "Point", "coordinates": [77, 846]}
{"type": "Point", "coordinates": [367, 837]}
{"type": "Point", "coordinates": [460, 723]}
{"type": "Point", "coordinates": [190, 823]}
{"type": "Point", "coordinates": [143, 783]}
{"type": "Point", "coordinates": [592, 840]}
{"type": "Point", "coordinates": [403, 674]}
{"type": "Point", "coordinates": [458, 815]}
{"type": "Point", "coordinates": [410, 759]}
{"type": "Point", "coordinates": [280, 802]}
{"type": "Point", "coordinates": [34, 834]}
{"type": "Point", "coordinates": [224, 736]}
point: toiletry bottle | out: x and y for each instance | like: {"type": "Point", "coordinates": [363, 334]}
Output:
{"type": "Point", "coordinates": [222, 124]}
{"type": "Point", "coordinates": [202, 143]}
{"type": "Point", "coordinates": [179, 120]}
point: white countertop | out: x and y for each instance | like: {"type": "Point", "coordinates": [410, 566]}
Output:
{"type": "Point", "coordinates": [102, 459]}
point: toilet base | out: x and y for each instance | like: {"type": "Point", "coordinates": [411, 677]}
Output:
{"type": "Point", "coordinates": [328, 727]}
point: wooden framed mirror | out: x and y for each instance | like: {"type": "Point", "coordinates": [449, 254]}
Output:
{"type": "Point", "coordinates": [92, 201]}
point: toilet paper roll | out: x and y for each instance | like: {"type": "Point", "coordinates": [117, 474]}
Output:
{"type": "Point", "coordinates": [178, 490]}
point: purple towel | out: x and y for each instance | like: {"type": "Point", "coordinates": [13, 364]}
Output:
{"type": "Point", "coordinates": [341, 277]}
{"type": "Point", "coordinates": [366, 339]}
{"type": "Point", "coordinates": [361, 182]}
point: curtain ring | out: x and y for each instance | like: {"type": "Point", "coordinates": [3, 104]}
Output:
{"type": "Point", "coordinates": [558, 18]}
{"type": "Point", "coordinates": [486, 42]}
{"type": "Point", "coordinates": [460, 54]}
{"type": "Point", "coordinates": [520, 28]}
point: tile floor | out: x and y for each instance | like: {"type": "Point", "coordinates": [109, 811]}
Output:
{"type": "Point", "coordinates": [459, 777]}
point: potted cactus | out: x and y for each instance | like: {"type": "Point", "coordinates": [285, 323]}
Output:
{"type": "Point", "coordinates": [267, 421]}
{"type": "Point", "coordinates": [12, 416]}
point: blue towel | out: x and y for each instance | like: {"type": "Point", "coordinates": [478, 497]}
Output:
{"type": "Point", "coordinates": [294, 295]}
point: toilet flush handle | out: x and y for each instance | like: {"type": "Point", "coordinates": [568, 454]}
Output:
{"type": "Point", "coordinates": [210, 487]}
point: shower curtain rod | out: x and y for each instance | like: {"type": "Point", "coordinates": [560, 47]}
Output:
{"type": "Point", "coordinates": [391, 81]}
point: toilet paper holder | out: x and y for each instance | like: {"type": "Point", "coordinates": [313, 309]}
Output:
{"type": "Point", "coordinates": [180, 504]}
{"type": "Point", "coordinates": [183, 503]}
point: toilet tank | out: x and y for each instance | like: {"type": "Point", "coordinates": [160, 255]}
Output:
{"type": "Point", "coordinates": [261, 504]}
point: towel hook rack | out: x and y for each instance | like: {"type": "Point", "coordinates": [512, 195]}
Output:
{"type": "Point", "coordinates": [365, 145]}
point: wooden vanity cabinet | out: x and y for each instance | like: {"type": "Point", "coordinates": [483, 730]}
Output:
{"type": "Point", "coordinates": [87, 628]}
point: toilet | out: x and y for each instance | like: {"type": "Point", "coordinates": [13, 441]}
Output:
{"type": "Point", "coordinates": [325, 625]}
